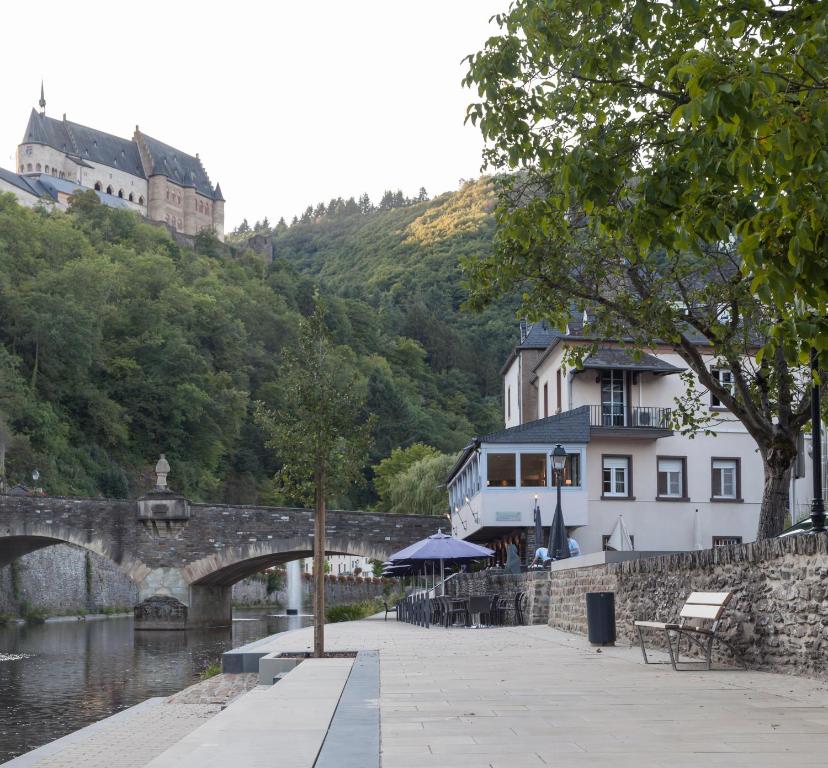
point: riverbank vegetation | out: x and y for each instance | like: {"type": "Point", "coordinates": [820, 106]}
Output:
{"type": "Point", "coordinates": [117, 343]}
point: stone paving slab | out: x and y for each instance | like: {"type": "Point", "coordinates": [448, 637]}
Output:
{"type": "Point", "coordinates": [531, 696]}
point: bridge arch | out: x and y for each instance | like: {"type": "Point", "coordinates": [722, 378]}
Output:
{"type": "Point", "coordinates": [19, 540]}
{"type": "Point", "coordinates": [232, 564]}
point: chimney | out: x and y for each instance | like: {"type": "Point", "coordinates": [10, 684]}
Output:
{"type": "Point", "coordinates": [523, 330]}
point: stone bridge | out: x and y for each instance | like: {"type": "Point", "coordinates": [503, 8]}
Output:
{"type": "Point", "coordinates": [185, 557]}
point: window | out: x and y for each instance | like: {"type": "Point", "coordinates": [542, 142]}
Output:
{"type": "Point", "coordinates": [98, 186]}
{"type": "Point", "coordinates": [38, 166]}
{"type": "Point", "coordinates": [501, 470]}
{"type": "Point", "coordinates": [613, 400]}
{"type": "Point", "coordinates": [545, 400]}
{"type": "Point", "coordinates": [572, 470]}
{"type": "Point", "coordinates": [616, 476]}
{"type": "Point", "coordinates": [131, 198]}
{"type": "Point", "coordinates": [141, 200]}
{"type": "Point", "coordinates": [671, 474]}
{"type": "Point", "coordinates": [725, 377]}
{"type": "Point", "coordinates": [45, 169]}
{"type": "Point", "coordinates": [109, 190]}
{"type": "Point", "coordinates": [121, 193]}
{"type": "Point", "coordinates": [726, 481]}
{"type": "Point", "coordinates": [726, 541]}
{"type": "Point", "coordinates": [532, 470]}
{"type": "Point", "coordinates": [29, 167]}
{"type": "Point", "coordinates": [558, 389]}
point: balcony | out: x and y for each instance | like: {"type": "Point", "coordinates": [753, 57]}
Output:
{"type": "Point", "coordinates": [630, 421]}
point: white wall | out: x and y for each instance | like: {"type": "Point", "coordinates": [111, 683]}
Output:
{"type": "Point", "coordinates": [23, 197]}
{"type": "Point", "coordinates": [511, 383]}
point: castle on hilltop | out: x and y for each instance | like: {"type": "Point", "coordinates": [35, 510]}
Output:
{"type": "Point", "coordinates": [142, 173]}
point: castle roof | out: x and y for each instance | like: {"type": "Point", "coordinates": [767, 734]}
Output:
{"type": "Point", "coordinates": [179, 167]}
{"type": "Point", "coordinates": [84, 143]}
{"type": "Point", "coordinates": [26, 183]}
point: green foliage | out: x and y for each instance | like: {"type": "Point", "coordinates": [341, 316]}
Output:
{"type": "Point", "coordinates": [352, 611]}
{"type": "Point", "coordinates": [376, 568]}
{"type": "Point", "coordinates": [672, 124]}
{"type": "Point", "coordinates": [275, 580]}
{"type": "Point", "coordinates": [421, 489]}
{"type": "Point", "coordinates": [322, 430]}
{"type": "Point", "coordinates": [88, 573]}
{"type": "Point", "coordinates": [399, 461]}
{"type": "Point", "coordinates": [117, 343]}
{"type": "Point", "coordinates": [212, 669]}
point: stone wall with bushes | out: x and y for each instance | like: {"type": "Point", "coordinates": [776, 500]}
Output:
{"type": "Point", "coordinates": [338, 590]}
{"type": "Point", "coordinates": [778, 618]}
{"type": "Point", "coordinates": [64, 579]}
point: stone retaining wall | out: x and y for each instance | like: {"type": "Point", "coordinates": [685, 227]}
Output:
{"type": "Point", "coordinates": [778, 618]}
{"type": "Point", "coordinates": [338, 590]}
{"type": "Point", "coordinates": [493, 582]}
{"type": "Point", "coordinates": [54, 580]}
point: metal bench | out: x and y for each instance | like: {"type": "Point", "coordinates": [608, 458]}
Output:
{"type": "Point", "coordinates": [698, 622]}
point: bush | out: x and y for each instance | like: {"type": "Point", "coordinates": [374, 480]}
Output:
{"type": "Point", "coordinates": [211, 670]}
{"type": "Point", "coordinates": [352, 611]}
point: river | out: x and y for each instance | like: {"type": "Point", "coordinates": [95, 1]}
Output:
{"type": "Point", "coordinates": [60, 676]}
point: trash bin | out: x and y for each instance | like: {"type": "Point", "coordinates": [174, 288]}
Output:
{"type": "Point", "coordinates": [600, 609]}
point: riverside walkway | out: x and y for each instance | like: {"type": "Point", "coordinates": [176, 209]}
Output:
{"type": "Point", "coordinates": [516, 697]}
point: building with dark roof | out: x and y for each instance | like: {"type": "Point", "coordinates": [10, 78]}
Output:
{"type": "Point", "coordinates": [150, 177]}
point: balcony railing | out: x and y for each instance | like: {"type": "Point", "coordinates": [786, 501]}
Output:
{"type": "Point", "coordinates": [629, 417]}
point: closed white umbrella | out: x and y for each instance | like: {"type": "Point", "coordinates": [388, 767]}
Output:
{"type": "Point", "coordinates": [620, 539]}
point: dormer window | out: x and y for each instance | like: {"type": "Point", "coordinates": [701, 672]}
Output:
{"type": "Point", "coordinates": [725, 378]}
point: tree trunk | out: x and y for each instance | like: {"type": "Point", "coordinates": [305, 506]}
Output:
{"type": "Point", "coordinates": [319, 568]}
{"type": "Point", "coordinates": [778, 463]}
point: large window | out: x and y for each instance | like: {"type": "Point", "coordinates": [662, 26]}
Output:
{"type": "Point", "coordinates": [671, 478]}
{"type": "Point", "coordinates": [725, 377]}
{"type": "Point", "coordinates": [501, 470]}
{"type": "Point", "coordinates": [616, 477]}
{"type": "Point", "coordinates": [725, 480]}
{"type": "Point", "coordinates": [726, 541]}
{"type": "Point", "coordinates": [532, 470]}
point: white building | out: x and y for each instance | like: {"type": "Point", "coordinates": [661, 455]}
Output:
{"type": "Point", "coordinates": [343, 565]}
{"type": "Point", "coordinates": [612, 415]}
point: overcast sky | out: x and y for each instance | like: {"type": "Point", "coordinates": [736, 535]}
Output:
{"type": "Point", "coordinates": [287, 103]}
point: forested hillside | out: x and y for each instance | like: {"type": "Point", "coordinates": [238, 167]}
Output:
{"type": "Point", "coordinates": [116, 343]}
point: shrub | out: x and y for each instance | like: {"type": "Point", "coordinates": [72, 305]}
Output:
{"type": "Point", "coordinates": [352, 611]}
{"type": "Point", "coordinates": [211, 670]}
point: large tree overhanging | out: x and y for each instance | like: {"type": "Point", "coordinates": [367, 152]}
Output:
{"type": "Point", "coordinates": [617, 116]}
{"type": "Point", "coordinates": [714, 111]}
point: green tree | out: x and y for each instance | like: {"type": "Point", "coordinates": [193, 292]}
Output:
{"type": "Point", "coordinates": [400, 460]}
{"type": "Point", "coordinates": [421, 488]}
{"type": "Point", "coordinates": [674, 123]}
{"type": "Point", "coordinates": [321, 433]}
{"type": "Point", "coordinates": [662, 186]}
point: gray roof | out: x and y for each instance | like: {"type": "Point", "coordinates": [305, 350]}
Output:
{"type": "Point", "coordinates": [538, 336]}
{"type": "Point", "coordinates": [179, 167]}
{"type": "Point", "coordinates": [26, 183]}
{"type": "Point", "coordinates": [568, 427]}
{"type": "Point", "coordinates": [54, 185]}
{"type": "Point", "coordinates": [84, 143]}
{"type": "Point", "coordinates": [613, 357]}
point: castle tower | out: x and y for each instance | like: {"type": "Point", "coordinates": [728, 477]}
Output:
{"type": "Point", "coordinates": [218, 212]}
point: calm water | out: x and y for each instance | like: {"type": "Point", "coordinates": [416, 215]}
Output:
{"type": "Point", "coordinates": [74, 673]}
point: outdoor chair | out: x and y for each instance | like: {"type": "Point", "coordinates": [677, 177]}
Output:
{"type": "Point", "coordinates": [493, 615]}
{"type": "Point", "coordinates": [521, 599]}
{"type": "Point", "coordinates": [698, 622]}
{"type": "Point", "coordinates": [455, 608]}
{"type": "Point", "coordinates": [479, 605]}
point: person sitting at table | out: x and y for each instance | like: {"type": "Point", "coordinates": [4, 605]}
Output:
{"type": "Point", "coordinates": [574, 549]}
{"type": "Point", "coordinates": [541, 557]}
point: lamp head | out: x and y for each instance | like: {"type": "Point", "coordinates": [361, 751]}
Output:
{"type": "Point", "coordinates": [35, 475]}
{"type": "Point", "coordinates": [559, 457]}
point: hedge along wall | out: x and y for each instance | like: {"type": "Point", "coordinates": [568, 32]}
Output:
{"type": "Point", "coordinates": [778, 617]}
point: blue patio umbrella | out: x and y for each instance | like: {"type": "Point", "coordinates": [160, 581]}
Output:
{"type": "Point", "coordinates": [442, 548]}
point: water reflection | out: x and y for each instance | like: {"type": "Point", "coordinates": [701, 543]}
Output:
{"type": "Point", "coordinates": [74, 673]}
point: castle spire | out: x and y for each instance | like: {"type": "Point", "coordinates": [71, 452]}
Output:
{"type": "Point", "coordinates": [42, 101]}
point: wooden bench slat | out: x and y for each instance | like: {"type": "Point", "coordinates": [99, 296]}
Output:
{"type": "Point", "coordinates": [709, 598]}
{"type": "Point", "coordinates": [711, 612]}
{"type": "Point", "coordinates": [656, 625]}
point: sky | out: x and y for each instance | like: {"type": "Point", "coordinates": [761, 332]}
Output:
{"type": "Point", "coordinates": [288, 103]}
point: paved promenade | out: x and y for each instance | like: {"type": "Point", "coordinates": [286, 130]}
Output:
{"type": "Point", "coordinates": [532, 696]}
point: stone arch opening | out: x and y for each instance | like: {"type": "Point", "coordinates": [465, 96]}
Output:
{"type": "Point", "coordinates": [109, 190]}
{"type": "Point", "coordinates": [232, 564]}
{"type": "Point", "coordinates": [98, 186]}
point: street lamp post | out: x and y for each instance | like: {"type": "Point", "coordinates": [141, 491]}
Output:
{"type": "Point", "coordinates": [558, 464]}
{"type": "Point", "coordinates": [35, 478]}
{"type": "Point", "coordinates": [817, 505]}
